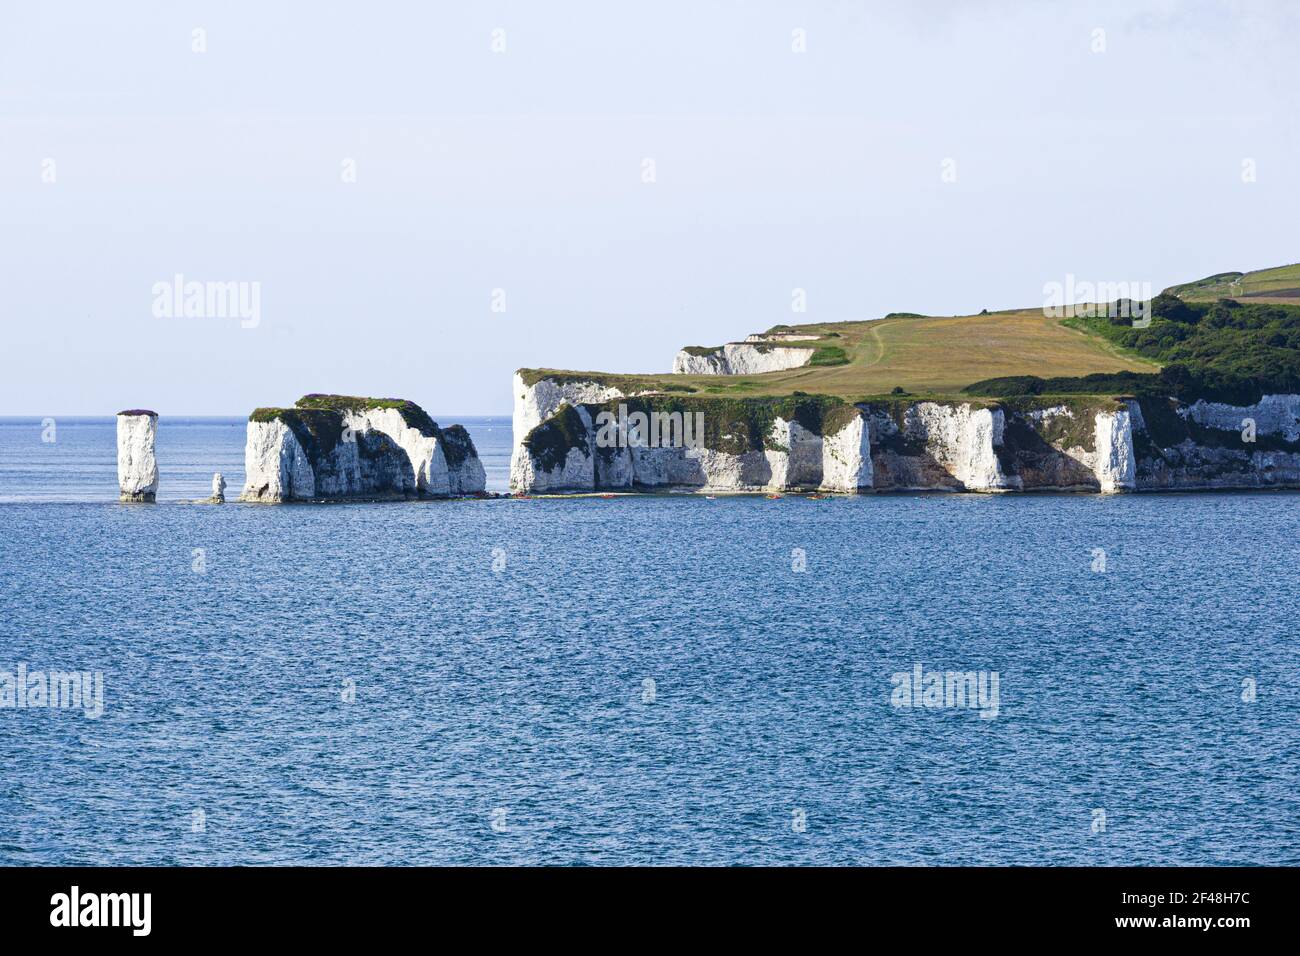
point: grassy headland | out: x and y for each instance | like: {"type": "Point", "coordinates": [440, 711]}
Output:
{"type": "Point", "coordinates": [922, 356]}
{"type": "Point", "coordinates": [1200, 344]}
{"type": "Point", "coordinates": [1280, 285]}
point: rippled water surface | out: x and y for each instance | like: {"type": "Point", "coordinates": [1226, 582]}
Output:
{"type": "Point", "coordinates": [641, 679]}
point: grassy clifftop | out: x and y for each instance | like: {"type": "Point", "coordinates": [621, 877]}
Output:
{"type": "Point", "coordinates": [320, 414]}
{"type": "Point", "coordinates": [411, 413]}
{"type": "Point", "coordinates": [1230, 337]}
{"type": "Point", "coordinates": [921, 355]}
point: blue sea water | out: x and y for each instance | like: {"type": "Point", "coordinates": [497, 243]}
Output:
{"type": "Point", "coordinates": [80, 463]}
{"type": "Point", "coordinates": [639, 679]}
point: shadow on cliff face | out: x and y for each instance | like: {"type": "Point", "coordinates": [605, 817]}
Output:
{"type": "Point", "coordinates": [901, 459]}
{"type": "Point", "coordinates": [897, 471]}
{"type": "Point", "coordinates": [1039, 463]}
{"type": "Point", "coordinates": [371, 465]}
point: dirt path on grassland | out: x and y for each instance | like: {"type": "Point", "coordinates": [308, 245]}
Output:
{"type": "Point", "coordinates": [873, 333]}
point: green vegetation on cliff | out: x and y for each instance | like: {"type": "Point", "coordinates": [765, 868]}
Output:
{"type": "Point", "coordinates": [739, 425]}
{"type": "Point", "coordinates": [317, 430]}
{"type": "Point", "coordinates": [1100, 383]}
{"type": "Point", "coordinates": [457, 445]}
{"type": "Point", "coordinates": [411, 413]}
{"type": "Point", "coordinates": [317, 422]}
{"type": "Point", "coordinates": [552, 440]}
{"type": "Point", "coordinates": [1165, 428]}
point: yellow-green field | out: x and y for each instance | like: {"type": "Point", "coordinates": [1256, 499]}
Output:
{"type": "Point", "coordinates": [1281, 284]}
{"type": "Point", "coordinates": [924, 356]}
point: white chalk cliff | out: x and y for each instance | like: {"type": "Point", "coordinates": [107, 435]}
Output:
{"type": "Point", "coordinates": [575, 470]}
{"type": "Point", "coordinates": [428, 463]}
{"type": "Point", "coordinates": [846, 457]}
{"type": "Point", "coordinates": [794, 455]}
{"type": "Point", "coordinates": [275, 465]}
{"type": "Point", "coordinates": [1208, 446]}
{"type": "Point", "coordinates": [559, 451]}
{"type": "Point", "coordinates": [334, 447]}
{"type": "Point", "coordinates": [964, 440]}
{"type": "Point", "coordinates": [538, 399]}
{"type": "Point", "coordinates": [137, 466]}
{"type": "Point", "coordinates": [742, 358]}
{"type": "Point", "coordinates": [1115, 464]}
{"type": "Point", "coordinates": [1084, 444]}
{"type": "Point", "coordinates": [1277, 415]}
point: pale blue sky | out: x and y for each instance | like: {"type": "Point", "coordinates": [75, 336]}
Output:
{"type": "Point", "coordinates": [522, 171]}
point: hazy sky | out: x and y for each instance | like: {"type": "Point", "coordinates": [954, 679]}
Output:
{"type": "Point", "coordinates": [126, 158]}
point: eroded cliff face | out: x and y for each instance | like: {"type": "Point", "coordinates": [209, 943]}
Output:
{"type": "Point", "coordinates": [743, 358]}
{"type": "Point", "coordinates": [846, 457]}
{"type": "Point", "coordinates": [804, 443]}
{"type": "Point", "coordinates": [328, 449]}
{"type": "Point", "coordinates": [1114, 463]}
{"type": "Point", "coordinates": [1082, 445]}
{"type": "Point", "coordinates": [1210, 446]}
{"type": "Point", "coordinates": [930, 446]}
{"type": "Point", "coordinates": [421, 447]}
{"type": "Point", "coordinates": [465, 472]}
{"type": "Point", "coordinates": [813, 443]}
{"type": "Point", "coordinates": [137, 466]}
{"type": "Point", "coordinates": [557, 455]}
{"type": "Point", "coordinates": [1273, 415]}
{"type": "Point", "coordinates": [793, 453]}
{"type": "Point", "coordinates": [276, 467]}
{"type": "Point", "coordinates": [538, 399]}
{"type": "Point", "coordinates": [568, 450]}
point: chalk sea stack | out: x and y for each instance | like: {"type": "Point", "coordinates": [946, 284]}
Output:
{"type": "Point", "coordinates": [345, 447]}
{"type": "Point", "coordinates": [218, 489]}
{"type": "Point", "coordinates": [137, 468]}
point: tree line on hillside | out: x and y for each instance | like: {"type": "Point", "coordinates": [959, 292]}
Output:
{"type": "Point", "coordinates": [1226, 351]}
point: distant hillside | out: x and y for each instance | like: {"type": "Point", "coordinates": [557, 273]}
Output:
{"type": "Point", "coordinates": [1232, 350]}
{"type": "Point", "coordinates": [1280, 284]}
{"type": "Point", "coordinates": [920, 355]}
{"type": "Point", "coordinates": [1231, 336]}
